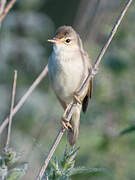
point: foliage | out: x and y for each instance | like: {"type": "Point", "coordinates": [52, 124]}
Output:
{"type": "Point", "coordinates": [10, 169]}
{"type": "Point", "coordinates": [65, 170]}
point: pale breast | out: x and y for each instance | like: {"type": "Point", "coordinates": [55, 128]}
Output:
{"type": "Point", "coordinates": [66, 76]}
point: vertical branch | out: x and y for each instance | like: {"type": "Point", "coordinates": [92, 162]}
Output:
{"type": "Point", "coordinates": [11, 109]}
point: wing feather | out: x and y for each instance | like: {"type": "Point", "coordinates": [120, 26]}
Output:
{"type": "Point", "coordinates": [87, 97]}
{"type": "Point", "coordinates": [90, 87]}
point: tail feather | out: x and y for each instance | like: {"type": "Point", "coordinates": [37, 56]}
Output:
{"type": "Point", "coordinates": [75, 122]}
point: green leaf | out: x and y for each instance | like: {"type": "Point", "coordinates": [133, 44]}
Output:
{"type": "Point", "coordinates": [127, 130]}
{"type": "Point", "coordinates": [17, 173]}
{"type": "Point", "coordinates": [72, 154]}
{"type": "Point", "coordinates": [69, 158]}
{"type": "Point", "coordinates": [64, 169]}
{"type": "Point", "coordinates": [55, 167]}
{"type": "Point", "coordinates": [10, 156]}
{"type": "Point", "coordinates": [86, 171]}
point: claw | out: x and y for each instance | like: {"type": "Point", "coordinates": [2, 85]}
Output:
{"type": "Point", "coordinates": [66, 124]}
{"type": "Point", "coordinates": [77, 98]}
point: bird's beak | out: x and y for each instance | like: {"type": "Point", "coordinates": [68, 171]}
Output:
{"type": "Point", "coordinates": [54, 40]}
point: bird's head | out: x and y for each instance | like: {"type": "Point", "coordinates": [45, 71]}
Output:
{"type": "Point", "coordinates": [65, 39]}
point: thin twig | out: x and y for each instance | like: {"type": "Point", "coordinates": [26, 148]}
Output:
{"type": "Point", "coordinates": [92, 74]}
{"type": "Point", "coordinates": [55, 143]}
{"type": "Point", "coordinates": [109, 39]}
{"type": "Point", "coordinates": [11, 110]}
{"type": "Point", "coordinates": [24, 98]}
{"type": "Point", "coordinates": [7, 9]}
{"type": "Point", "coordinates": [52, 150]}
{"type": "Point", "coordinates": [2, 6]}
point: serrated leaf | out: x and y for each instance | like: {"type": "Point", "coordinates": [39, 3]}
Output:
{"type": "Point", "coordinates": [69, 159]}
{"type": "Point", "coordinates": [73, 154]}
{"type": "Point", "coordinates": [69, 165]}
{"type": "Point", "coordinates": [17, 173]}
{"type": "Point", "coordinates": [65, 154]}
{"type": "Point", "coordinates": [64, 169]}
{"type": "Point", "coordinates": [56, 168]}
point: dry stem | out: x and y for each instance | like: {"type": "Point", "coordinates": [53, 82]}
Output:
{"type": "Point", "coordinates": [11, 110]}
{"type": "Point", "coordinates": [7, 9]}
{"type": "Point", "coordinates": [92, 74]}
{"type": "Point", "coordinates": [24, 98]}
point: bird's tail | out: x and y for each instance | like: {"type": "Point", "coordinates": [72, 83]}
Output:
{"type": "Point", "coordinates": [75, 122]}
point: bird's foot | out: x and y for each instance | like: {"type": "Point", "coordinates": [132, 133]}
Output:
{"type": "Point", "coordinates": [66, 124]}
{"type": "Point", "coordinates": [77, 99]}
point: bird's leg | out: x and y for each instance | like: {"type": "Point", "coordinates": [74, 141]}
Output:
{"type": "Point", "coordinates": [64, 122]}
{"type": "Point", "coordinates": [77, 99]}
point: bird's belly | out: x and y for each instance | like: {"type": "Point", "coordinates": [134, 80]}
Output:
{"type": "Point", "coordinates": [65, 85]}
{"type": "Point", "coordinates": [66, 78]}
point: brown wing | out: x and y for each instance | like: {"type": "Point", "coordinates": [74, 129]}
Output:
{"type": "Point", "coordinates": [89, 91]}
{"type": "Point", "coordinates": [88, 96]}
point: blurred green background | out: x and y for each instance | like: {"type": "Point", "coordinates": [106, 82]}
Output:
{"type": "Point", "coordinates": [24, 47]}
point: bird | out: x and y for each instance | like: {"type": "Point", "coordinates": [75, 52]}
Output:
{"type": "Point", "coordinates": [68, 68]}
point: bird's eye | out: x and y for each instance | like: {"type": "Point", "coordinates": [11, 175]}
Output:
{"type": "Point", "coordinates": [68, 40]}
